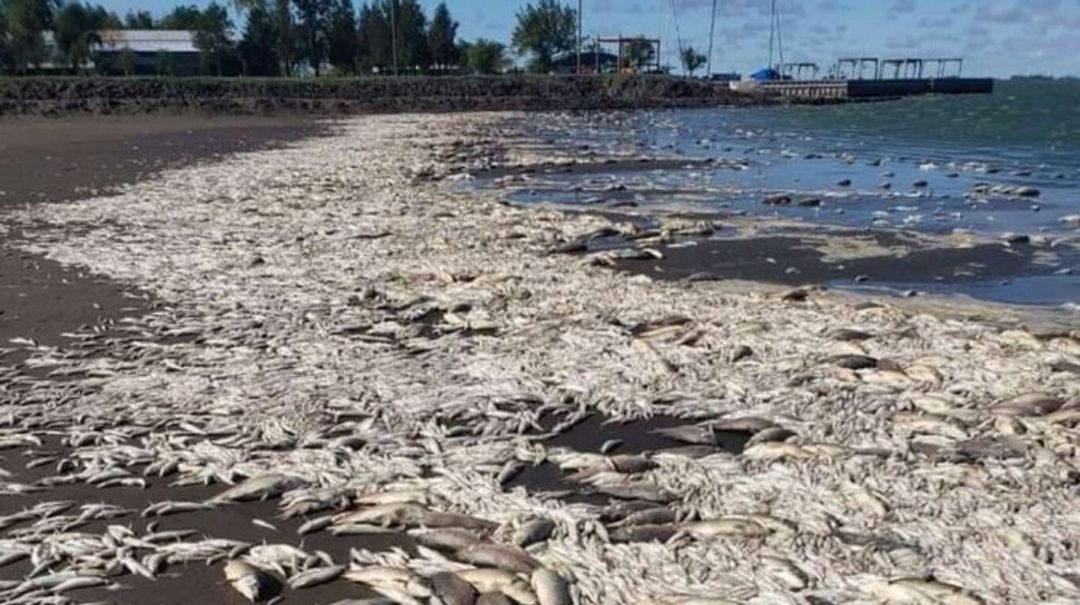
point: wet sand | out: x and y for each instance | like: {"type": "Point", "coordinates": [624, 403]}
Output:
{"type": "Point", "coordinates": [793, 260]}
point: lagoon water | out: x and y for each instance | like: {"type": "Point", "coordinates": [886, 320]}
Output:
{"type": "Point", "coordinates": [915, 164]}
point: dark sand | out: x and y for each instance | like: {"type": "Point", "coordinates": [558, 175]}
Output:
{"type": "Point", "coordinates": [591, 434]}
{"type": "Point", "coordinates": [53, 160]}
{"type": "Point", "coordinates": [794, 260]}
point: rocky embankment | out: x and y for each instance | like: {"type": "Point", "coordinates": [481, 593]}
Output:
{"type": "Point", "coordinates": [52, 96]}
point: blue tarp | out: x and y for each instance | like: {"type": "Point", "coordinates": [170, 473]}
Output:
{"type": "Point", "coordinates": [765, 75]}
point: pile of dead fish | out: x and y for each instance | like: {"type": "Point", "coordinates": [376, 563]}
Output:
{"type": "Point", "coordinates": [340, 334]}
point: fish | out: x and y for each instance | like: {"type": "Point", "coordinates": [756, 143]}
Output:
{"type": "Point", "coordinates": [550, 587]}
{"type": "Point", "coordinates": [533, 531]}
{"type": "Point", "coordinates": [1028, 404]}
{"type": "Point", "coordinates": [500, 556]}
{"type": "Point", "coordinates": [643, 533]}
{"type": "Point", "coordinates": [259, 487]}
{"type": "Point", "coordinates": [452, 590]}
{"type": "Point", "coordinates": [316, 576]}
{"type": "Point", "coordinates": [448, 539]}
{"type": "Point", "coordinates": [253, 583]}
{"type": "Point", "coordinates": [725, 527]}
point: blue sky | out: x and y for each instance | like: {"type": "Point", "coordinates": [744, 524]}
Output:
{"type": "Point", "coordinates": [997, 37]}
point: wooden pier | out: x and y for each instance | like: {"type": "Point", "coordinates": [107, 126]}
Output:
{"type": "Point", "coordinates": [870, 89]}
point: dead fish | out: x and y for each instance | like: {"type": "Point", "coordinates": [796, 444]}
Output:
{"type": "Point", "coordinates": [784, 571]}
{"type": "Point", "coordinates": [259, 487]}
{"type": "Point", "coordinates": [988, 447]}
{"type": "Point", "coordinates": [315, 577]}
{"type": "Point", "coordinates": [853, 362]}
{"type": "Point", "coordinates": [740, 353]}
{"type": "Point", "coordinates": [533, 531]}
{"type": "Point", "coordinates": [610, 445]}
{"type": "Point", "coordinates": [690, 451]}
{"type": "Point", "coordinates": [690, 433]}
{"type": "Point", "coordinates": [1028, 404]}
{"type": "Point", "coordinates": [652, 516]}
{"type": "Point", "coordinates": [410, 496]}
{"type": "Point", "coordinates": [510, 470]}
{"type": "Point", "coordinates": [78, 583]}
{"type": "Point", "coordinates": [314, 525]}
{"type": "Point", "coordinates": [398, 583]}
{"type": "Point", "coordinates": [776, 433]}
{"type": "Point", "coordinates": [743, 424]}
{"type": "Point", "coordinates": [250, 581]}
{"type": "Point", "coordinates": [447, 539]}
{"type": "Point", "coordinates": [550, 587]}
{"type": "Point", "coordinates": [725, 527]}
{"type": "Point", "coordinates": [636, 491]}
{"type": "Point", "coordinates": [501, 556]}
{"type": "Point", "coordinates": [493, 598]}
{"type": "Point", "coordinates": [625, 464]}
{"type": "Point", "coordinates": [917, 591]}
{"type": "Point", "coordinates": [620, 510]}
{"type": "Point", "coordinates": [643, 533]}
{"type": "Point", "coordinates": [452, 590]}
{"type": "Point", "coordinates": [849, 334]}
{"type": "Point", "coordinates": [498, 580]}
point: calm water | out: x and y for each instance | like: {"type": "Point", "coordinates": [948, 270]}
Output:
{"type": "Point", "coordinates": [913, 164]}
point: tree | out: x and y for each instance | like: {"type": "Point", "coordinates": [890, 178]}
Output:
{"type": "Point", "coordinates": [342, 39]}
{"type": "Point", "coordinates": [285, 35]}
{"type": "Point", "coordinates": [259, 47]}
{"type": "Point", "coordinates": [638, 53]}
{"type": "Point", "coordinates": [441, 34]}
{"type": "Point", "coordinates": [311, 25]}
{"type": "Point", "coordinates": [375, 44]}
{"type": "Point", "coordinates": [6, 60]}
{"type": "Point", "coordinates": [411, 33]}
{"type": "Point", "coordinates": [544, 30]}
{"type": "Point", "coordinates": [483, 56]}
{"type": "Point", "coordinates": [76, 28]}
{"type": "Point", "coordinates": [26, 20]}
{"type": "Point", "coordinates": [126, 61]}
{"type": "Point", "coordinates": [692, 60]}
{"type": "Point", "coordinates": [212, 30]}
{"type": "Point", "coordinates": [182, 17]}
{"type": "Point", "coordinates": [138, 20]}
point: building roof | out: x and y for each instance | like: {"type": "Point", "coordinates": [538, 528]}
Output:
{"type": "Point", "coordinates": [148, 40]}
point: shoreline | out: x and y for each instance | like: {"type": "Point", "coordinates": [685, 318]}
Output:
{"type": "Point", "coordinates": [340, 315]}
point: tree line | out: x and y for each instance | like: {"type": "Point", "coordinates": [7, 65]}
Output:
{"type": "Point", "coordinates": [287, 37]}
{"type": "Point", "coordinates": [278, 38]}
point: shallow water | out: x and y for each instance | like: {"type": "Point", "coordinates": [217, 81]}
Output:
{"type": "Point", "coordinates": [913, 164]}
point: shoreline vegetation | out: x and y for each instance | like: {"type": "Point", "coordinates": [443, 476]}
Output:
{"type": "Point", "coordinates": [49, 96]}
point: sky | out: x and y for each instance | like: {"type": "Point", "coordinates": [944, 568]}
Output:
{"type": "Point", "coordinates": [997, 38]}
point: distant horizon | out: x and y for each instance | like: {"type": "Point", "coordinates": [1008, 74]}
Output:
{"type": "Point", "coordinates": [996, 38]}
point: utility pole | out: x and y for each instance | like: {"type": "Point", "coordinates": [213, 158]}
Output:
{"type": "Point", "coordinates": [579, 37]}
{"type": "Point", "coordinates": [712, 37]}
{"type": "Point", "coordinates": [393, 33]}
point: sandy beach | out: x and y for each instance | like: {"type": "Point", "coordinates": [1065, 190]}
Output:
{"type": "Point", "coordinates": [331, 333]}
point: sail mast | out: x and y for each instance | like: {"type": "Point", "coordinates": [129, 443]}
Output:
{"type": "Point", "coordinates": [772, 32]}
{"type": "Point", "coordinates": [712, 38]}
